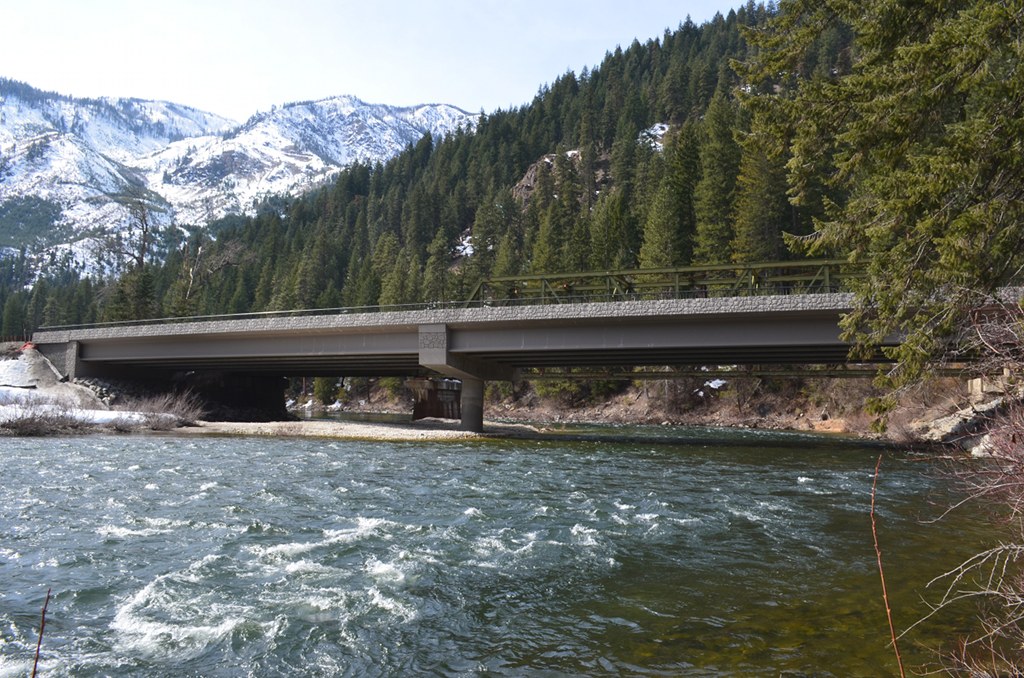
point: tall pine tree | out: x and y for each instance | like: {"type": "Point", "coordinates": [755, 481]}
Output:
{"type": "Point", "coordinates": [715, 193]}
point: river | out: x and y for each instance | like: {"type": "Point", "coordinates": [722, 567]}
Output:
{"type": "Point", "coordinates": [701, 554]}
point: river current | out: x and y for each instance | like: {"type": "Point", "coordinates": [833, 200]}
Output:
{"type": "Point", "coordinates": [702, 554]}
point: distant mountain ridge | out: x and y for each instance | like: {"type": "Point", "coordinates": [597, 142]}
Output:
{"type": "Point", "coordinates": [69, 166]}
{"type": "Point", "coordinates": [288, 151]}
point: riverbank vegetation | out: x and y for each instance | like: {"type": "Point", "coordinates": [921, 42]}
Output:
{"type": "Point", "coordinates": [31, 416]}
{"type": "Point", "coordinates": [740, 398]}
{"type": "Point", "coordinates": [35, 401]}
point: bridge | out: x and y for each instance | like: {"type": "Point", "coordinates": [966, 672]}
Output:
{"type": "Point", "coordinates": [615, 323]}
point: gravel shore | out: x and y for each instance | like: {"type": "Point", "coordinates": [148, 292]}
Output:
{"type": "Point", "coordinates": [426, 429]}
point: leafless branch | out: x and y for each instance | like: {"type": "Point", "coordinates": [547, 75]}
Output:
{"type": "Point", "coordinates": [881, 571]}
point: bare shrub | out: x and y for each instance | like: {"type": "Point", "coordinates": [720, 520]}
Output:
{"type": "Point", "coordinates": [991, 343]}
{"type": "Point", "coordinates": [993, 340]}
{"type": "Point", "coordinates": [125, 424]}
{"type": "Point", "coordinates": [994, 577]}
{"type": "Point", "coordinates": [165, 411]}
{"type": "Point", "coordinates": [32, 416]}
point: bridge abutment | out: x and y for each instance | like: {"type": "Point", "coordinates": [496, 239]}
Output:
{"type": "Point", "coordinates": [66, 359]}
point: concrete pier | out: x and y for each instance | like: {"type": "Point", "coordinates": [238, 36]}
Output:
{"type": "Point", "coordinates": [472, 405]}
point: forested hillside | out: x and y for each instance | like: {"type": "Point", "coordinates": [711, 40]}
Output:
{"type": "Point", "coordinates": [584, 177]}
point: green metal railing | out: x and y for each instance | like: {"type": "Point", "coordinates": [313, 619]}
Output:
{"type": "Point", "coordinates": [811, 276]}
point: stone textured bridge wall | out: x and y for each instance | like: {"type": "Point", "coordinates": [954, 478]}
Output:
{"type": "Point", "coordinates": [385, 320]}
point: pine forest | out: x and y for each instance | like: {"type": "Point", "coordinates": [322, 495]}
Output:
{"type": "Point", "coordinates": [651, 159]}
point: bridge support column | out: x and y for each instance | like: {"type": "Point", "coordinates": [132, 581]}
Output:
{"type": "Point", "coordinates": [472, 405]}
{"type": "Point", "coordinates": [435, 354]}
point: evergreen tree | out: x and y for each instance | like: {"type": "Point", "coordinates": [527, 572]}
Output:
{"type": "Point", "coordinates": [37, 303]}
{"type": "Point", "coordinates": [572, 198]}
{"type": "Point", "coordinates": [547, 248]}
{"type": "Point", "coordinates": [509, 260]}
{"type": "Point", "coordinates": [384, 263]}
{"type": "Point", "coordinates": [83, 303]}
{"type": "Point", "coordinates": [661, 232]}
{"type": "Point", "coordinates": [673, 95]}
{"type": "Point", "coordinates": [435, 274]}
{"type": "Point", "coordinates": [576, 250]}
{"type": "Point", "coordinates": [57, 311]}
{"type": "Point", "coordinates": [761, 204]}
{"type": "Point", "coordinates": [670, 221]}
{"type": "Point", "coordinates": [264, 287]}
{"type": "Point", "coordinates": [624, 160]}
{"type": "Point", "coordinates": [241, 298]}
{"type": "Point", "coordinates": [487, 229]}
{"type": "Point", "coordinates": [925, 133]}
{"type": "Point", "coordinates": [134, 297]}
{"type": "Point", "coordinates": [714, 194]}
{"type": "Point", "coordinates": [15, 320]}
{"type": "Point", "coordinates": [364, 285]}
{"type": "Point", "coordinates": [612, 233]}
{"type": "Point", "coordinates": [601, 229]}
{"type": "Point", "coordinates": [325, 390]}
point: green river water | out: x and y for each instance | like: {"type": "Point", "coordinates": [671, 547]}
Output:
{"type": "Point", "coordinates": [663, 552]}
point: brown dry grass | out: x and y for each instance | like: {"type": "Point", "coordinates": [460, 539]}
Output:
{"type": "Point", "coordinates": [165, 411]}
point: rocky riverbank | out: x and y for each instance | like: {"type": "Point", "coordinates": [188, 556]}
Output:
{"type": "Point", "coordinates": [938, 412]}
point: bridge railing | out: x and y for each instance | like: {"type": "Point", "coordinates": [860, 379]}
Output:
{"type": "Point", "coordinates": [259, 315]}
{"type": "Point", "coordinates": [725, 280]}
{"type": "Point", "coordinates": [817, 276]}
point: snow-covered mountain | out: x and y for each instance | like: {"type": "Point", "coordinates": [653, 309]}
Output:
{"type": "Point", "coordinates": [69, 168]}
{"type": "Point", "coordinates": [287, 151]}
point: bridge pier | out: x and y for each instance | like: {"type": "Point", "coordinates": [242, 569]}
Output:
{"type": "Point", "coordinates": [435, 354]}
{"type": "Point", "coordinates": [472, 405]}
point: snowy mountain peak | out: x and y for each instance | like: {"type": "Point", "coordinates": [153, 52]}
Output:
{"type": "Point", "coordinates": [68, 167]}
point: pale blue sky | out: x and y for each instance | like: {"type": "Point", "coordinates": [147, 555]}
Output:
{"type": "Point", "coordinates": [237, 57]}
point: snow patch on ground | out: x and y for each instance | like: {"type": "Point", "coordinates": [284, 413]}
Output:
{"type": "Point", "coordinates": [31, 387]}
{"type": "Point", "coordinates": [15, 375]}
{"type": "Point", "coordinates": [654, 136]}
{"type": "Point", "coordinates": [22, 407]}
